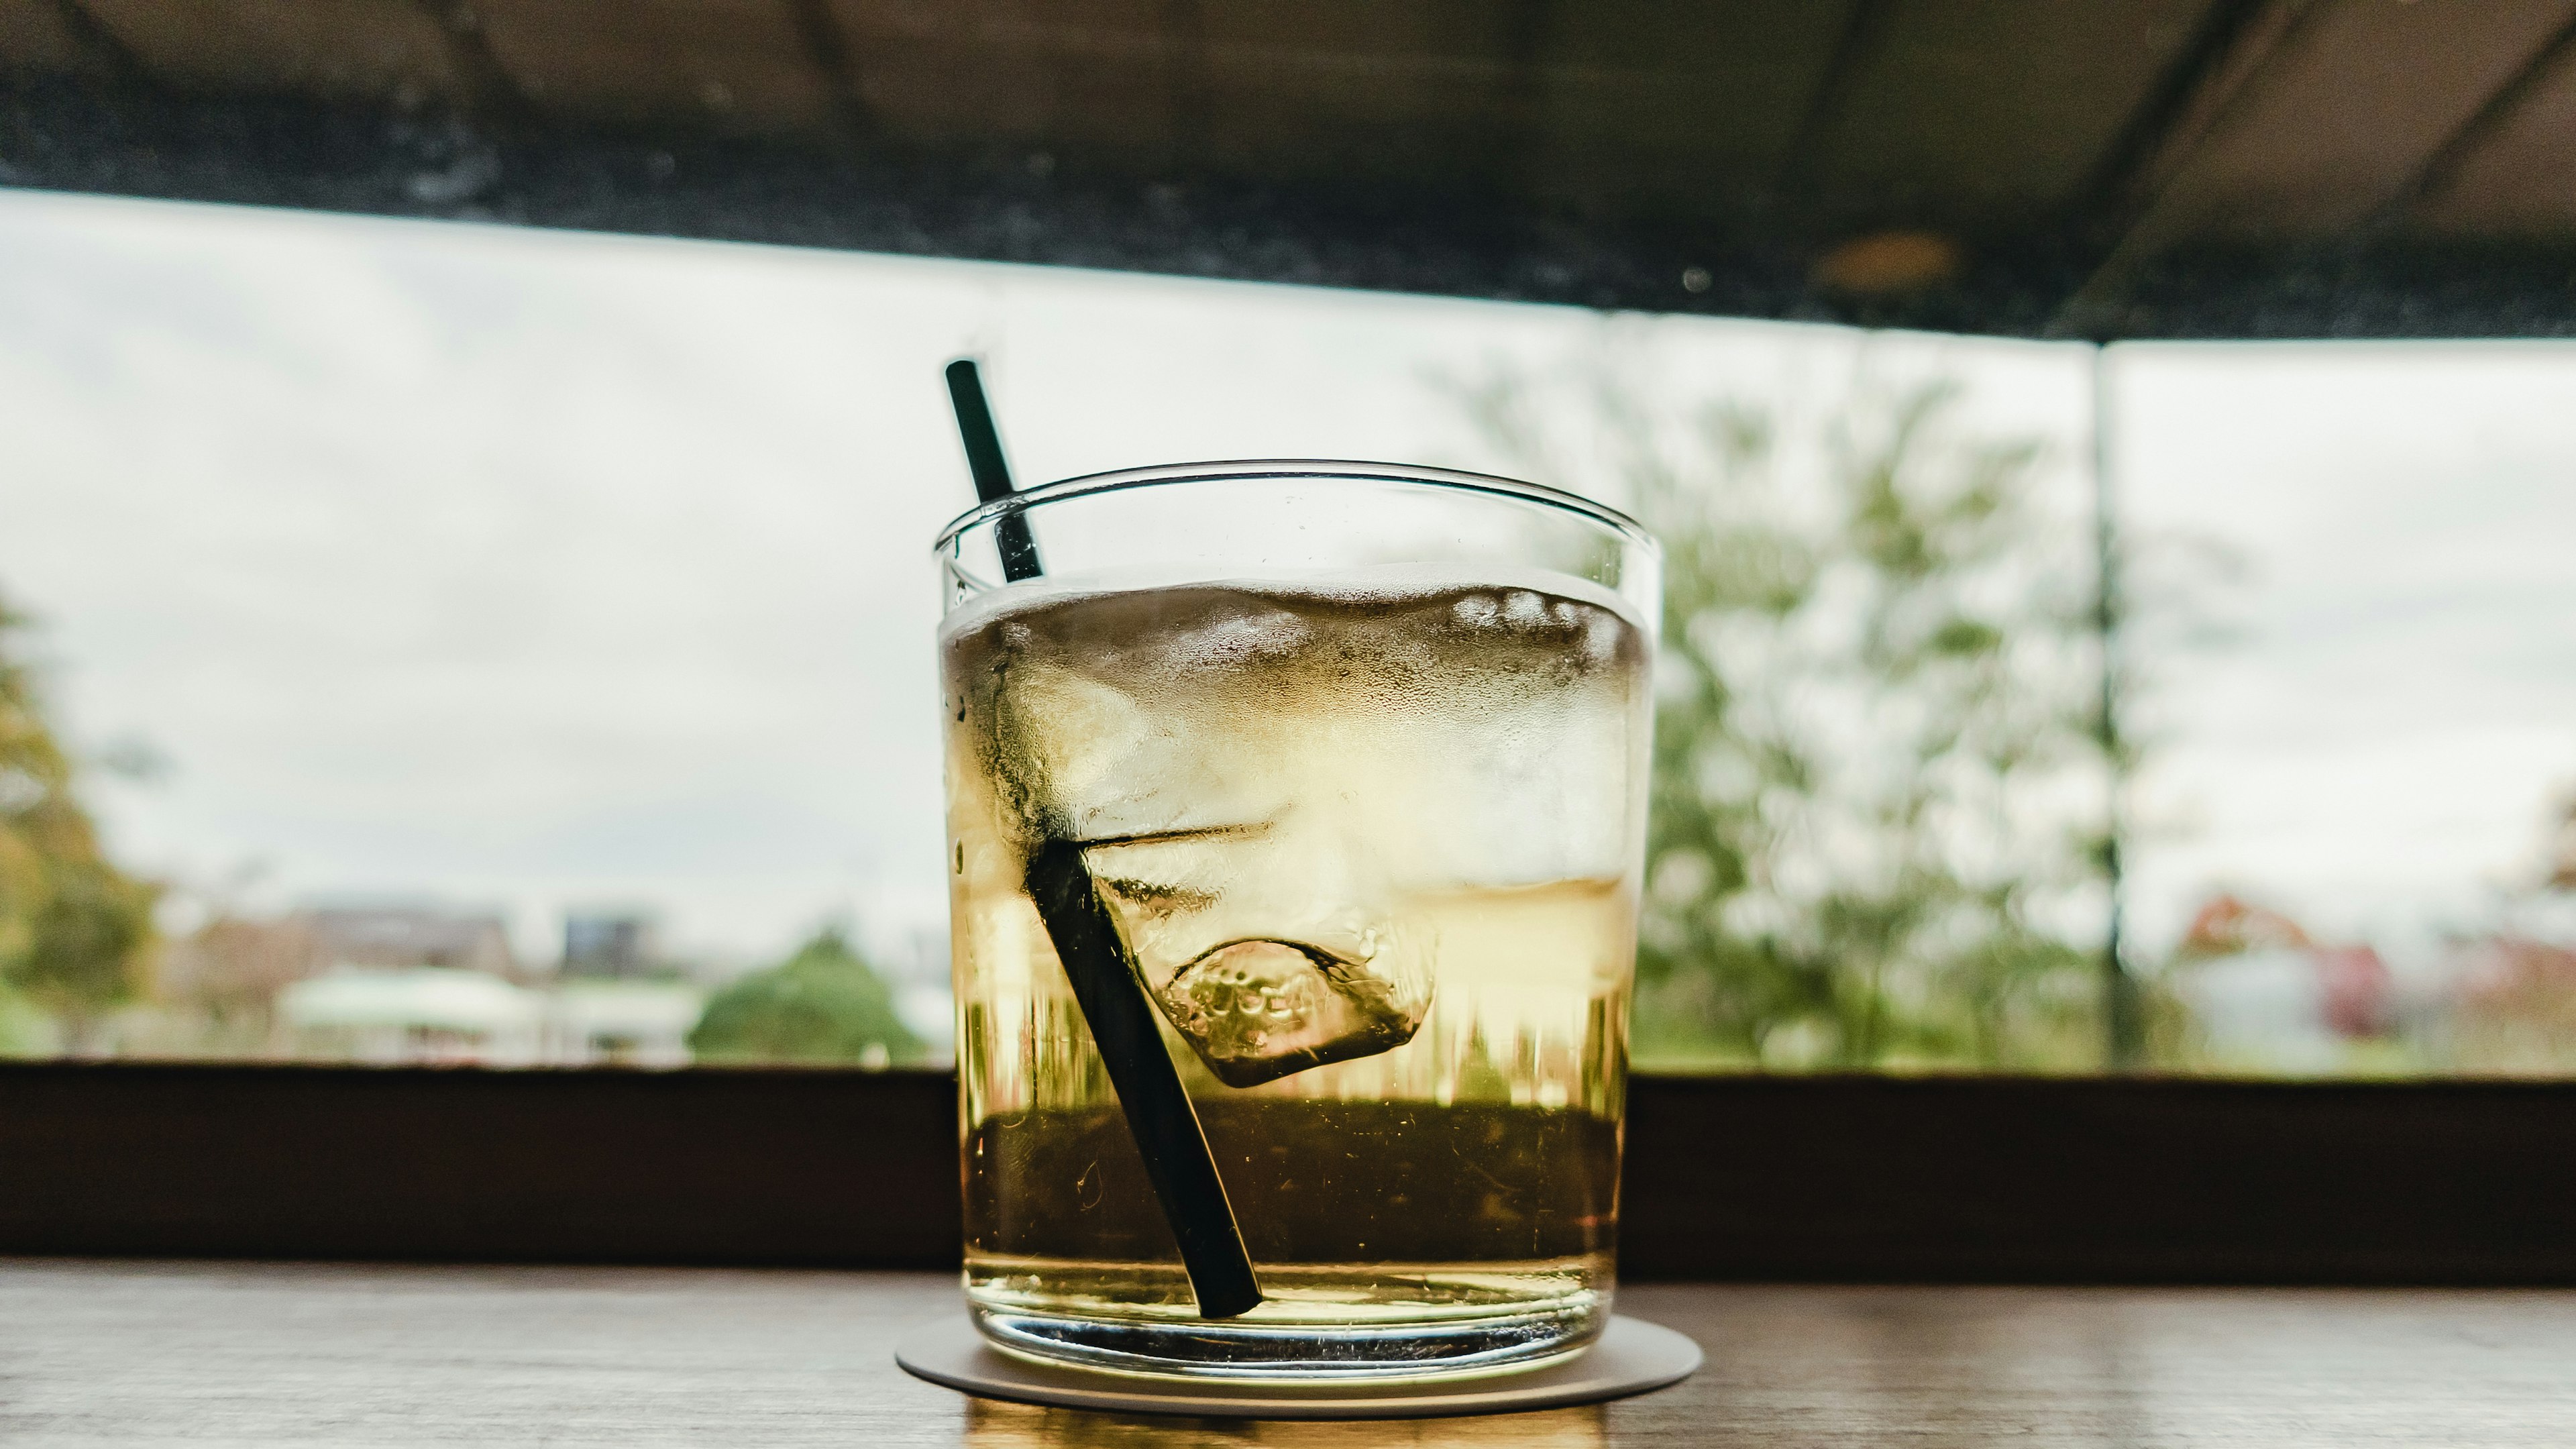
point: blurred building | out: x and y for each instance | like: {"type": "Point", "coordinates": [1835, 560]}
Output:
{"type": "Point", "coordinates": [621, 1022]}
{"type": "Point", "coordinates": [407, 936]}
{"type": "Point", "coordinates": [411, 984]}
{"type": "Point", "coordinates": [407, 1015]}
{"type": "Point", "coordinates": [616, 1000]}
{"type": "Point", "coordinates": [2266, 996]}
{"type": "Point", "coordinates": [612, 945]}
{"type": "Point", "coordinates": [229, 971]}
{"type": "Point", "coordinates": [221, 987]}
{"type": "Point", "coordinates": [439, 1015]}
{"type": "Point", "coordinates": [415, 984]}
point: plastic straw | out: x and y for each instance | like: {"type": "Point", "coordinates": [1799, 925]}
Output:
{"type": "Point", "coordinates": [1159, 1115]}
{"type": "Point", "coordinates": [992, 474]}
{"type": "Point", "coordinates": [1103, 972]}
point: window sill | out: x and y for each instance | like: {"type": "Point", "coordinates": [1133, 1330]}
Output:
{"type": "Point", "coordinates": [2006, 1179]}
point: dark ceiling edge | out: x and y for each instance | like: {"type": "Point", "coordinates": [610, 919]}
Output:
{"type": "Point", "coordinates": [829, 51]}
{"type": "Point", "coordinates": [1864, 30]}
{"type": "Point", "coordinates": [490, 90]}
{"type": "Point", "coordinates": [2442, 167]}
{"type": "Point", "coordinates": [119, 136]}
{"type": "Point", "coordinates": [1526, 26]}
{"type": "Point", "coordinates": [987, 204]}
{"type": "Point", "coordinates": [2108, 197]}
{"type": "Point", "coordinates": [100, 45]}
{"type": "Point", "coordinates": [2237, 40]}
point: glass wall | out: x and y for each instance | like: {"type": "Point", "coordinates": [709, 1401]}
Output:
{"type": "Point", "coordinates": [2353, 825]}
{"type": "Point", "coordinates": [444, 643]}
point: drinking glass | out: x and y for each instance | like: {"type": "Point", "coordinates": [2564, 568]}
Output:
{"type": "Point", "coordinates": [1296, 812]}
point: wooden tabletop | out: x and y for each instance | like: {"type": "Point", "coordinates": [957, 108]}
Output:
{"type": "Point", "coordinates": [132, 1353]}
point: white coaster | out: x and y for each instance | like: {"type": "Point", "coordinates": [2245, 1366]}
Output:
{"type": "Point", "coordinates": [1630, 1357]}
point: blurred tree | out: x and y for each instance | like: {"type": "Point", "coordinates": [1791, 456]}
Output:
{"type": "Point", "coordinates": [822, 1004]}
{"type": "Point", "coordinates": [225, 977]}
{"type": "Point", "coordinates": [1877, 777]}
{"type": "Point", "coordinates": [76, 933]}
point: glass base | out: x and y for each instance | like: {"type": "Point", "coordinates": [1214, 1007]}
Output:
{"type": "Point", "coordinates": [1237, 1349]}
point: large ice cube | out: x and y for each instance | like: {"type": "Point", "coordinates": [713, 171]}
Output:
{"type": "Point", "coordinates": [1259, 1010]}
{"type": "Point", "coordinates": [1267, 948]}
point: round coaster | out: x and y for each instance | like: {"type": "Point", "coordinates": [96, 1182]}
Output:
{"type": "Point", "coordinates": [1630, 1357]}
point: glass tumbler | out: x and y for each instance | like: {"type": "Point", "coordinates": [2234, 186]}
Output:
{"type": "Point", "coordinates": [1296, 812]}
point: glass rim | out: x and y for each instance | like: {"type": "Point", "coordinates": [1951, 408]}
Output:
{"type": "Point", "coordinates": [1449, 479]}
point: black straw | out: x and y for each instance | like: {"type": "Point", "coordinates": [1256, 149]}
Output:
{"type": "Point", "coordinates": [1159, 1116]}
{"type": "Point", "coordinates": [1105, 984]}
{"type": "Point", "coordinates": [992, 474]}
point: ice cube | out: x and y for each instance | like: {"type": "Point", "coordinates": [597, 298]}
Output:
{"type": "Point", "coordinates": [1256, 1011]}
{"type": "Point", "coordinates": [1061, 737]}
{"type": "Point", "coordinates": [1267, 950]}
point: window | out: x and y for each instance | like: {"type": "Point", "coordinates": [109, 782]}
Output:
{"type": "Point", "coordinates": [2351, 837]}
{"type": "Point", "coordinates": [514, 647]}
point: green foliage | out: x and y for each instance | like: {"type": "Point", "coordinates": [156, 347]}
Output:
{"type": "Point", "coordinates": [75, 932]}
{"type": "Point", "coordinates": [1877, 777]}
{"type": "Point", "coordinates": [821, 1005]}
{"type": "Point", "coordinates": [87, 939]}
{"type": "Point", "coordinates": [24, 1031]}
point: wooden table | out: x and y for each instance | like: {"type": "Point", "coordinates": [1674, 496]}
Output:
{"type": "Point", "coordinates": [131, 1353]}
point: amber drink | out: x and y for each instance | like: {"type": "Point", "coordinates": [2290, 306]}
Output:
{"type": "Point", "coordinates": [1366, 814]}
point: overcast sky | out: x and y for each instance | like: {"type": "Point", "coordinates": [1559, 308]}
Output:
{"type": "Point", "coordinates": [546, 570]}
{"type": "Point", "coordinates": [2378, 749]}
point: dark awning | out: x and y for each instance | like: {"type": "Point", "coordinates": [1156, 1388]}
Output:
{"type": "Point", "coordinates": [2053, 167]}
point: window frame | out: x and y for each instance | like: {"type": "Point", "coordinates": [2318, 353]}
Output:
{"type": "Point", "coordinates": [1939, 1179]}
